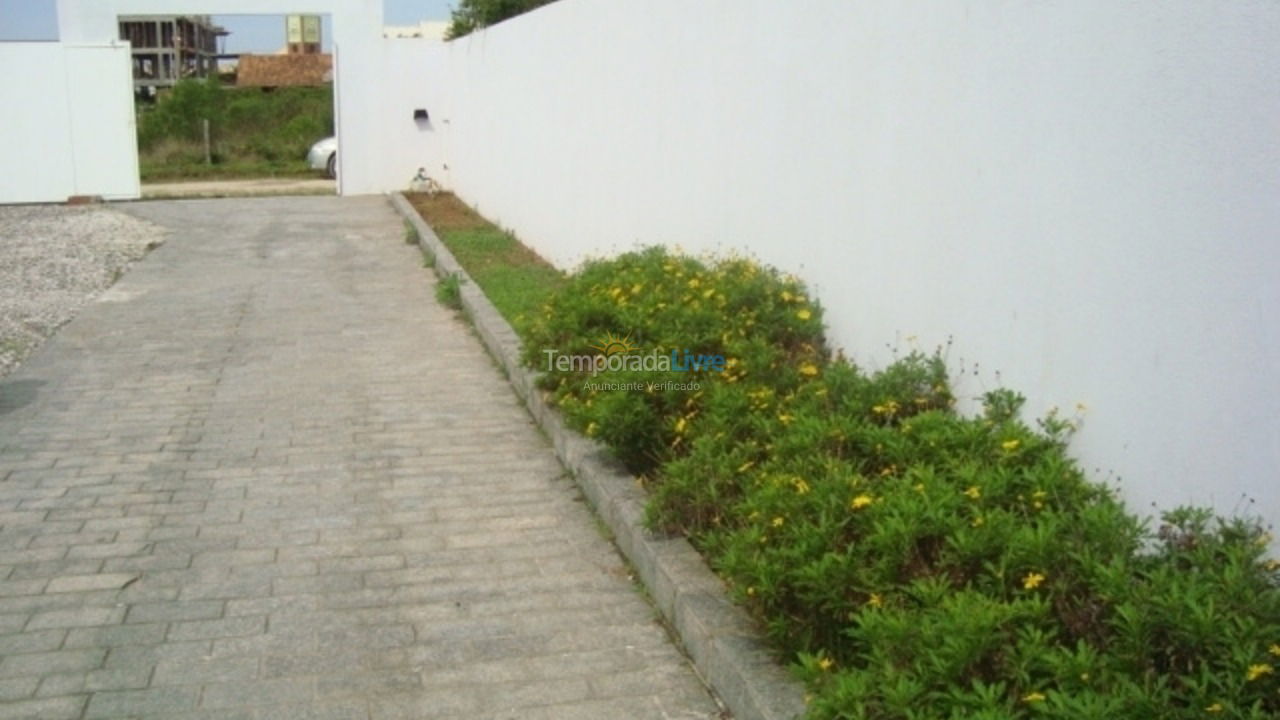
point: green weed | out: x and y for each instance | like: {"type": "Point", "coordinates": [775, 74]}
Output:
{"type": "Point", "coordinates": [449, 291]}
{"type": "Point", "coordinates": [513, 277]}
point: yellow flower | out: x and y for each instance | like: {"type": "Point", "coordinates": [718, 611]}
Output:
{"type": "Point", "coordinates": [751, 591]}
{"type": "Point", "coordinates": [1214, 708]}
{"type": "Point", "coordinates": [1257, 671]}
{"type": "Point", "coordinates": [888, 408]}
{"type": "Point", "coordinates": [694, 282]}
{"type": "Point", "coordinates": [1010, 445]}
{"type": "Point", "coordinates": [708, 292]}
{"type": "Point", "coordinates": [809, 369]}
{"type": "Point", "coordinates": [1032, 580]}
{"type": "Point", "coordinates": [1274, 649]}
{"type": "Point", "coordinates": [826, 663]}
{"type": "Point", "coordinates": [918, 487]}
{"type": "Point", "coordinates": [802, 487]}
{"type": "Point", "coordinates": [746, 466]}
{"type": "Point", "coordinates": [978, 521]}
{"type": "Point", "coordinates": [1033, 697]}
{"type": "Point", "coordinates": [777, 522]}
{"type": "Point", "coordinates": [974, 492]}
{"type": "Point", "coordinates": [875, 600]}
{"type": "Point", "coordinates": [804, 314]}
{"type": "Point", "coordinates": [591, 429]}
{"type": "Point", "coordinates": [680, 425]}
{"type": "Point", "coordinates": [785, 419]}
{"type": "Point", "coordinates": [861, 501]}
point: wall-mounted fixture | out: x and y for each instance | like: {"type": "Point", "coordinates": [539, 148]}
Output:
{"type": "Point", "coordinates": [420, 114]}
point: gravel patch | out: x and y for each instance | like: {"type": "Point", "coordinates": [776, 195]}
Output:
{"type": "Point", "coordinates": [53, 260]}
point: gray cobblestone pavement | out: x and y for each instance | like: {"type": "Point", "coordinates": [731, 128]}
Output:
{"type": "Point", "coordinates": [267, 476]}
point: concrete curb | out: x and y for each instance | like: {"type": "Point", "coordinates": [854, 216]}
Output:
{"type": "Point", "coordinates": [719, 636]}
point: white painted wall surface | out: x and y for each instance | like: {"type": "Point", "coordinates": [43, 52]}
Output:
{"type": "Point", "coordinates": [104, 164]}
{"type": "Point", "coordinates": [59, 135]}
{"type": "Point", "coordinates": [414, 73]}
{"type": "Point", "coordinates": [30, 171]}
{"type": "Point", "coordinates": [1085, 194]}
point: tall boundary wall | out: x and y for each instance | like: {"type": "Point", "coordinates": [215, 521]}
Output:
{"type": "Point", "coordinates": [1082, 196]}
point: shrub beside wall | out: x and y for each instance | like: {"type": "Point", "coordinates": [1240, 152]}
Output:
{"type": "Point", "coordinates": [910, 561]}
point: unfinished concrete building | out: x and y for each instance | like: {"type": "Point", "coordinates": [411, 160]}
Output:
{"type": "Point", "coordinates": [168, 48]}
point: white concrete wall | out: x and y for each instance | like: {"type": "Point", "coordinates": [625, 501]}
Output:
{"type": "Point", "coordinates": [1084, 194]}
{"type": "Point", "coordinates": [414, 69]}
{"type": "Point", "coordinates": [104, 165]}
{"type": "Point", "coordinates": [31, 172]}
{"type": "Point", "coordinates": [59, 133]}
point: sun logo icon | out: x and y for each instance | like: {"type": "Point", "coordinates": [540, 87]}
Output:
{"type": "Point", "coordinates": [614, 345]}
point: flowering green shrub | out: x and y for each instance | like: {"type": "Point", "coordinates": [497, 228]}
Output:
{"type": "Point", "coordinates": [763, 324]}
{"type": "Point", "coordinates": [911, 561]}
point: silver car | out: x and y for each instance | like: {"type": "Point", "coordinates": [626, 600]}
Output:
{"type": "Point", "coordinates": [324, 156]}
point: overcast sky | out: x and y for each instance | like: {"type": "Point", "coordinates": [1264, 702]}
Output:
{"type": "Point", "coordinates": [37, 20]}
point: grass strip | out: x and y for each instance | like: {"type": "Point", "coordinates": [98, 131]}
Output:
{"type": "Point", "coordinates": [517, 281]}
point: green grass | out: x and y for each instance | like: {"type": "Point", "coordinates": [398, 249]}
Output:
{"type": "Point", "coordinates": [164, 170]}
{"type": "Point", "coordinates": [253, 133]}
{"type": "Point", "coordinates": [515, 279]}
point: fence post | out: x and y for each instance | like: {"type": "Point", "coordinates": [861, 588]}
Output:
{"type": "Point", "coordinates": [208, 152]}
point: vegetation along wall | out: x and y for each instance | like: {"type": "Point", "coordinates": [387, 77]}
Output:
{"type": "Point", "coordinates": [1077, 198]}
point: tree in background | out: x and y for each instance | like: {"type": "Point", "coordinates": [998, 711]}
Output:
{"type": "Point", "coordinates": [472, 15]}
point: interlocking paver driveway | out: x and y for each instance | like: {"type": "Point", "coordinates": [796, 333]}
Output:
{"type": "Point", "coordinates": [267, 476]}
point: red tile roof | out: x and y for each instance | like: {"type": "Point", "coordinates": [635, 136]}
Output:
{"type": "Point", "coordinates": [284, 70]}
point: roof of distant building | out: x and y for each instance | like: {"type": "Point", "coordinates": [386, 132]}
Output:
{"type": "Point", "coordinates": [284, 70]}
{"type": "Point", "coordinates": [429, 29]}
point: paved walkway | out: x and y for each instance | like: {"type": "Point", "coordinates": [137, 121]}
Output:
{"type": "Point", "coordinates": [240, 188]}
{"type": "Point", "coordinates": [268, 476]}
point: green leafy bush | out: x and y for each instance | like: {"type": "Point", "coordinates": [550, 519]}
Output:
{"type": "Point", "coordinates": [180, 112]}
{"type": "Point", "coordinates": [763, 323]}
{"type": "Point", "coordinates": [911, 561]}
